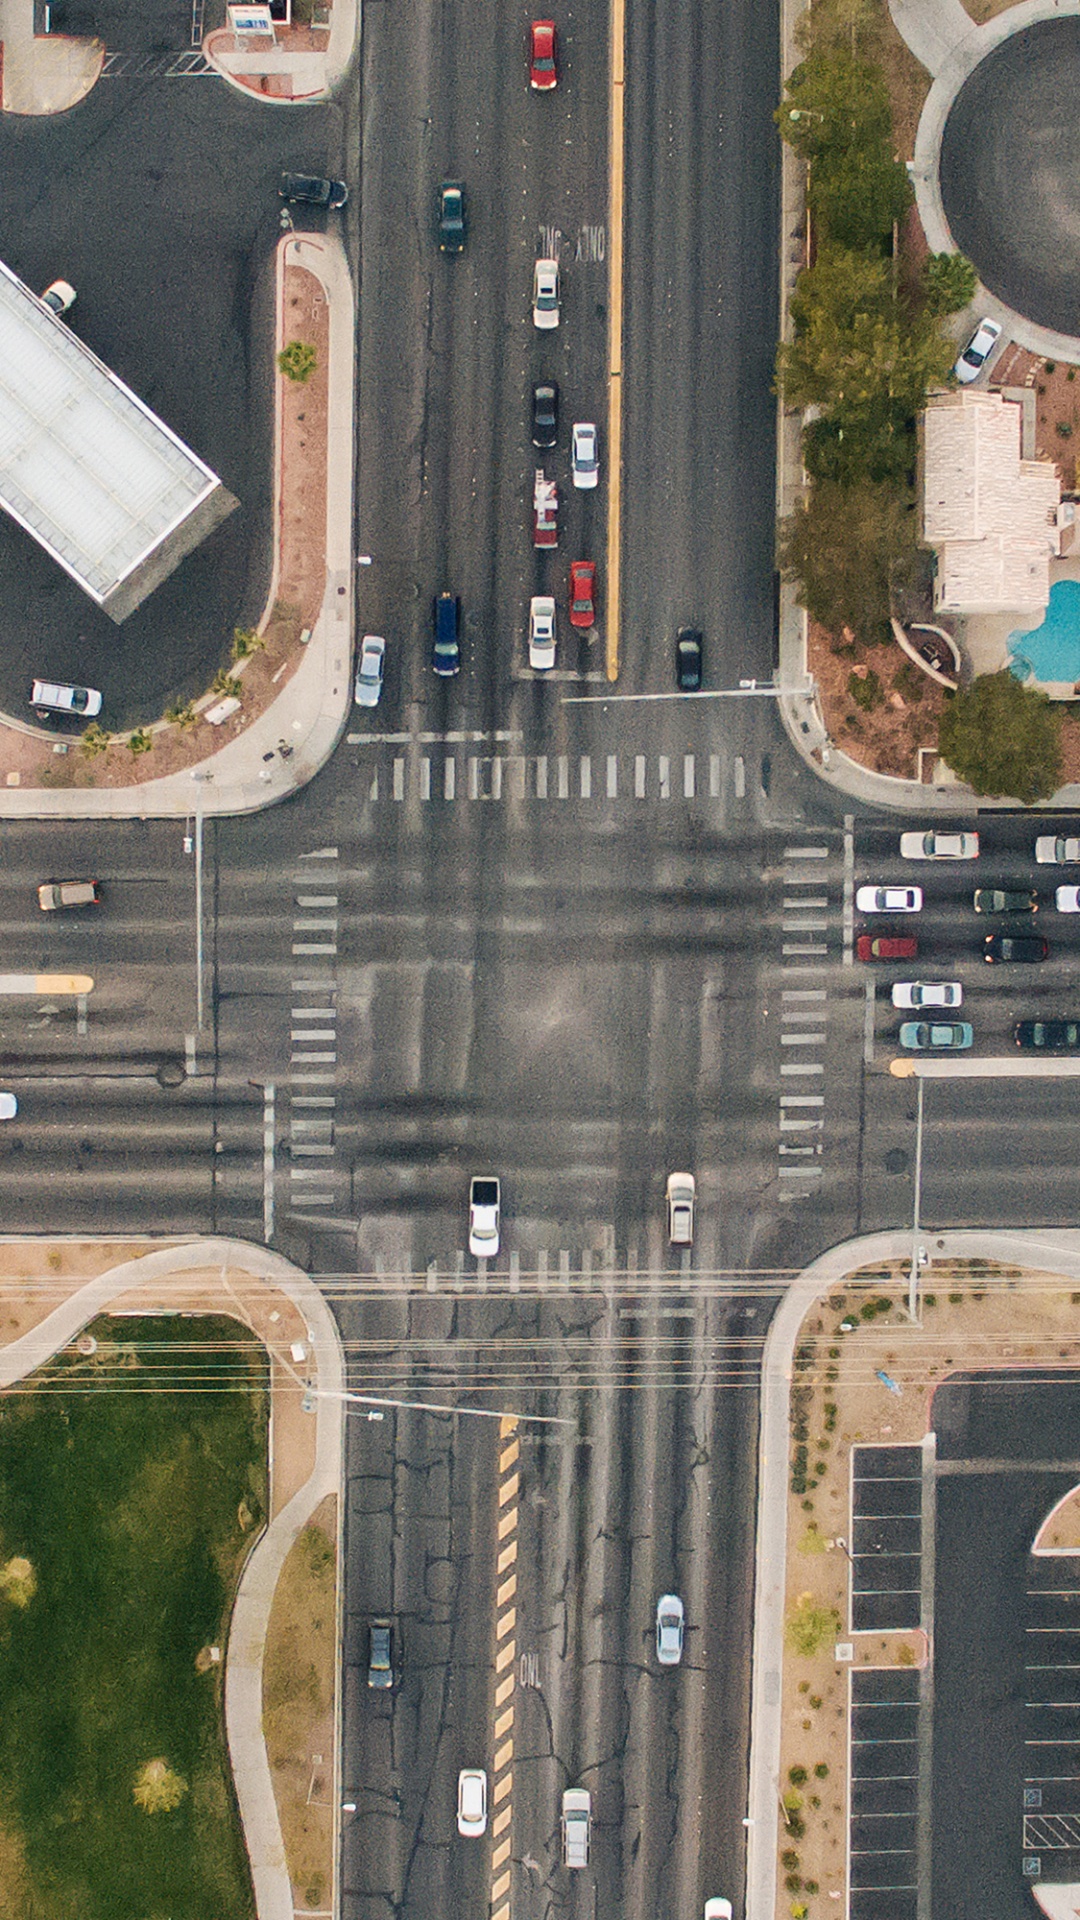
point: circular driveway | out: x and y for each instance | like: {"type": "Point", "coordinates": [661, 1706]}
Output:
{"type": "Point", "coordinates": [1010, 173]}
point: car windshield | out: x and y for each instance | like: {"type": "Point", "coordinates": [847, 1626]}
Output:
{"type": "Point", "coordinates": [485, 1193]}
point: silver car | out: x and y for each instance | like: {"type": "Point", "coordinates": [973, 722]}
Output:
{"type": "Point", "coordinates": [939, 846]}
{"type": "Point", "coordinates": [369, 671]}
{"type": "Point", "coordinates": [1057, 850]}
{"type": "Point", "coordinates": [670, 1622]}
{"type": "Point", "coordinates": [546, 295]}
{"type": "Point", "coordinates": [889, 899]}
{"type": "Point", "coordinates": [681, 1192]}
{"type": "Point", "coordinates": [584, 458]}
{"type": "Point", "coordinates": [928, 993]}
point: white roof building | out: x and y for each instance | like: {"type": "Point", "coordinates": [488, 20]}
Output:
{"type": "Point", "coordinates": [992, 517]}
{"type": "Point", "coordinates": [104, 486]}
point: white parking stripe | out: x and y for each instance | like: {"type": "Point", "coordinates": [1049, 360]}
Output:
{"type": "Point", "coordinates": [586, 777]}
{"type": "Point", "coordinates": [612, 775]}
{"type": "Point", "coordinates": [449, 778]}
{"type": "Point", "coordinates": [639, 776]}
{"type": "Point", "coordinates": [665, 777]}
{"type": "Point", "coordinates": [425, 779]}
{"type": "Point", "coordinates": [714, 777]}
{"type": "Point", "coordinates": [541, 777]}
{"type": "Point", "coordinates": [688, 776]}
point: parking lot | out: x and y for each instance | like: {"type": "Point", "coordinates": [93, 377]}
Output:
{"type": "Point", "coordinates": [1051, 1784]}
{"type": "Point", "coordinates": [886, 1538]}
{"type": "Point", "coordinates": [884, 1794]}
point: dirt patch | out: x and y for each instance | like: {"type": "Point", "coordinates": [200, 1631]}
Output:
{"type": "Point", "coordinates": [975, 1314]}
{"type": "Point", "coordinates": [298, 1705]}
{"type": "Point", "coordinates": [908, 83]}
{"type": "Point", "coordinates": [983, 10]}
{"type": "Point", "coordinates": [36, 760]}
{"type": "Point", "coordinates": [902, 710]}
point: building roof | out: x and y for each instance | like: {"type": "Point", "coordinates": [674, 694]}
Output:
{"type": "Point", "coordinates": [85, 467]}
{"type": "Point", "coordinates": [991, 515]}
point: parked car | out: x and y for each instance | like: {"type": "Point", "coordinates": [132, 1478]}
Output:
{"type": "Point", "coordinates": [369, 670]}
{"type": "Point", "coordinates": [472, 1802]}
{"type": "Point", "coordinates": [688, 660]}
{"type": "Point", "coordinates": [545, 414]}
{"type": "Point", "coordinates": [9, 1106]}
{"type": "Point", "coordinates": [584, 454]}
{"type": "Point", "coordinates": [886, 946]}
{"type": "Point", "coordinates": [453, 228]}
{"type": "Point", "coordinates": [545, 511]}
{"type": "Point", "coordinates": [718, 1910]}
{"type": "Point", "coordinates": [542, 632]}
{"type": "Point", "coordinates": [977, 352]}
{"type": "Point", "coordinates": [446, 643]}
{"type": "Point", "coordinates": [56, 894]}
{"type": "Point", "coordinates": [951, 1036]}
{"type": "Point", "coordinates": [59, 297]}
{"type": "Point", "coordinates": [576, 1820]}
{"type": "Point", "coordinates": [1005, 900]}
{"type": "Point", "coordinates": [889, 899]}
{"type": "Point", "coordinates": [927, 993]}
{"type": "Point", "coordinates": [50, 696]}
{"type": "Point", "coordinates": [380, 1671]}
{"type": "Point", "coordinates": [546, 294]}
{"type": "Point", "coordinates": [1057, 850]}
{"type": "Point", "coordinates": [1067, 899]}
{"type": "Point", "coordinates": [681, 1193]}
{"type": "Point", "coordinates": [670, 1622]}
{"type": "Point", "coordinates": [1027, 947]}
{"type": "Point", "coordinates": [939, 846]}
{"type": "Point", "coordinates": [1057, 1035]}
{"type": "Point", "coordinates": [543, 56]}
{"type": "Point", "coordinates": [582, 590]}
{"type": "Point", "coordinates": [308, 190]}
{"type": "Point", "coordinates": [484, 1203]}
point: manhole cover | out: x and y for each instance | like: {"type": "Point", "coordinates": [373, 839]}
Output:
{"type": "Point", "coordinates": [171, 1073]}
{"type": "Point", "coordinates": [896, 1160]}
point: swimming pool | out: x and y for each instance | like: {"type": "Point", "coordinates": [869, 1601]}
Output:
{"type": "Point", "coordinates": [1052, 651]}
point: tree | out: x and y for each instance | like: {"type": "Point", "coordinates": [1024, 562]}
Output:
{"type": "Point", "coordinates": [157, 1788]}
{"type": "Point", "coordinates": [835, 103]}
{"type": "Point", "coordinates": [859, 447]}
{"type": "Point", "coordinates": [857, 194]}
{"type": "Point", "coordinates": [297, 361]}
{"type": "Point", "coordinates": [949, 282]}
{"type": "Point", "coordinates": [841, 284]}
{"type": "Point", "coordinates": [1003, 738]}
{"type": "Point", "coordinates": [876, 360]}
{"type": "Point", "coordinates": [847, 547]}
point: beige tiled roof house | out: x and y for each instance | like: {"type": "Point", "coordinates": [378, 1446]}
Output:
{"type": "Point", "coordinates": [994, 519]}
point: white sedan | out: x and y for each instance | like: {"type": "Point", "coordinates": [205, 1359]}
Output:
{"type": "Point", "coordinates": [939, 846]}
{"type": "Point", "coordinates": [472, 1802]}
{"type": "Point", "coordinates": [542, 632]}
{"type": "Point", "coordinates": [484, 1204]}
{"type": "Point", "coordinates": [978, 351]}
{"type": "Point", "coordinates": [1057, 850]}
{"type": "Point", "coordinates": [546, 295]}
{"type": "Point", "coordinates": [1067, 899]}
{"type": "Point", "coordinates": [928, 993]}
{"type": "Point", "coordinates": [889, 899]}
{"type": "Point", "coordinates": [584, 458]}
{"type": "Point", "coordinates": [369, 672]}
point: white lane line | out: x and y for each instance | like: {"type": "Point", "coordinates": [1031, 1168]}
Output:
{"type": "Point", "coordinates": [269, 1133]}
{"type": "Point", "coordinates": [665, 777]}
{"type": "Point", "coordinates": [314, 1013]}
{"type": "Point", "coordinates": [791, 1123]}
{"type": "Point", "coordinates": [800, 902]}
{"type": "Point", "coordinates": [714, 776]}
{"type": "Point", "coordinates": [496, 779]}
{"type": "Point", "coordinates": [321, 853]}
{"type": "Point", "coordinates": [541, 777]}
{"type": "Point", "coordinates": [462, 738]}
{"type": "Point", "coordinates": [811, 879]}
{"type": "Point", "coordinates": [519, 768]}
{"type": "Point", "coordinates": [688, 776]}
{"type": "Point", "coordinates": [801, 1016]}
{"type": "Point", "coordinates": [306, 946]}
{"type": "Point", "coordinates": [378, 739]}
{"type": "Point", "coordinates": [563, 769]}
{"type": "Point", "coordinates": [474, 777]}
{"type": "Point", "coordinates": [189, 1055]}
{"type": "Point", "coordinates": [806, 853]}
{"type": "Point", "coordinates": [316, 900]}
{"type": "Point", "coordinates": [373, 790]}
{"type": "Point", "coordinates": [449, 777]}
{"type": "Point", "coordinates": [639, 776]}
{"type": "Point", "coordinates": [793, 1067]}
{"type": "Point", "coordinates": [848, 921]}
{"type": "Point", "coordinates": [793, 947]}
{"type": "Point", "coordinates": [311, 1080]}
{"type": "Point", "coordinates": [315, 926]}
{"type": "Point", "coordinates": [800, 1173]}
{"type": "Point", "coordinates": [612, 776]}
{"type": "Point", "coordinates": [312, 1059]}
{"type": "Point", "coordinates": [803, 993]}
{"type": "Point", "coordinates": [586, 777]}
{"type": "Point", "coordinates": [868, 1024]}
{"type": "Point", "coordinates": [804, 923]}
{"type": "Point", "coordinates": [802, 1099]}
{"type": "Point", "coordinates": [740, 777]}
{"type": "Point", "coordinates": [802, 1039]}
{"type": "Point", "coordinates": [312, 1033]}
{"type": "Point", "coordinates": [399, 779]}
{"type": "Point", "coordinates": [322, 1100]}
{"type": "Point", "coordinates": [425, 779]}
{"type": "Point", "coordinates": [542, 1267]}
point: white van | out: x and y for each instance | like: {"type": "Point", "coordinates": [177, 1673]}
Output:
{"type": "Point", "coordinates": [49, 696]}
{"type": "Point", "coordinates": [576, 1812]}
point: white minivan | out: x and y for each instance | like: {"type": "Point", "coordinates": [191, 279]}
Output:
{"type": "Point", "coordinates": [50, 696]}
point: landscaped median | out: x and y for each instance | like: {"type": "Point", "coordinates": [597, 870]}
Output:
{"type": "Point", "coordinates": [845, 1602]}
{"type": "Point", "coordinates": [170, 1469]}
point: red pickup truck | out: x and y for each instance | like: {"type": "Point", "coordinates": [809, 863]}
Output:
{"type": "Point", "coordinates": [545, 511]}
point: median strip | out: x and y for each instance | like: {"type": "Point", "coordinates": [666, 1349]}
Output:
{"type": "Point", "coordinates": [506, 1654]}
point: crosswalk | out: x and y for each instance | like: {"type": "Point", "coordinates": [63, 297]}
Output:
{"type": "Point", "coordinates": [448, 776]}
{"type": "Point", "coordinates": [313, 1048]}
{"type": "Point", "coordinates": [812, 916]}
{"type": "Point", "coordinates": [184, 64]}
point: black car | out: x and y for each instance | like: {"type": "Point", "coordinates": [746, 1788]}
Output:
{"type": "Point", "coordinates": [380, 1672]}
{"type": "Point", "coordinates": [688, 659]}
{"type": "Point", "coordinates": [1005, 900]}
{"type": "Point", "coordinates": [1014, 946]}
{"type": "Point", "coordinates": [545, 414]}
{"type": "Point", "coordinates": [453, 228]}
{"type": "Point", "coordinates": [1063, 1035]}
{"type": "Point", "coordinates": [446, 645]}
{"type": "Point", "coordinates": [307, 190]}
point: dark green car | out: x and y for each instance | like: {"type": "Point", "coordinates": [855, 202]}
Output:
{"type": "Point", "coordinates": [1001, 900]}
{"type": "Point", "coordinates": [453, 226]}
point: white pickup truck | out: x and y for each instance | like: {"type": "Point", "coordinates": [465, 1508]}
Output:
{"type": "Point", "coordinates": [576, 1808]}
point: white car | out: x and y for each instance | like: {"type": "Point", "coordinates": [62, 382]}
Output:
{"type": "Point", "coordinates": [50, 696]}
{"type": "Point", "coordinates": [584, 457]}
{"type": "Point", "coordinates": [484, 1200]}
{"type": "Point", "coordinates": [680, 1209]}
{"type": "Point", "coordinates": [889, 899]}
{"type": "Point", "coordinates": [9, 1106]}
{"type": "Point", "coordinates": [546, 294]}
{"type": "Point", "coordinates": [369, 672]}
{"type": "Point", "coordinates": [718, 1910]}
{"type": "Point", "coordinates": [1067, 899]}
{"type": "Point", "coordinates": [928, 993]}
{"type": "Point", "coordinates": [669, 1629]}
{"type": "Point", "coordinates": [59, 297]}
{"type": "Point", "coordinates": [1056, 850]}
{"type": "Point", "coordinates": [542, 632]}
{"type": "Point", "coordinates": [472, 1802]}
{"type": "Point", "coordinates": [978, 351]}
{"type": "Point", "coordinates": [939, 846]}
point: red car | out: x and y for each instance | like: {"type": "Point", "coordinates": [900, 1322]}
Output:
{"type": "Point", "coordinates": [543, 52]}
{"type": "Point", "coordinates": [884, 946]}
{"type": "Point", "coordinates": [582, 587]}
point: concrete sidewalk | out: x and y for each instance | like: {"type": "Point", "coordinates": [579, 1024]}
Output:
{"type": "Point", "coordinates": [235, 1262]}
{"type": "Point", "coordinates": [1056, 1252]}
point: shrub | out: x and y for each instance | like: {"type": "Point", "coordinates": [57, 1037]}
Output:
{"type": "Point", "coordinates": [95, 739]}
{"type": "Point", "coordinates": [798, 1776]}
{"type": "Point", "coordinates": [140, 741]}
{"type": "Point", "coordinates": [297, 361]}
{"type": "Point", "coordinates": [865, 690]}
{"type": "Point", "coordinates": [182, 715]}
{"type": "Point", "coordinates": [245, 642]}
{"type": "Point", "coordinates": [821, 1771]}
{"type": "Point", "coordinates": [226, 684]}
{"type": "Point", "coordinates": [810, 1625]}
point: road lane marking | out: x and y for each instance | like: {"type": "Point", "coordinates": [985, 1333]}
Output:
{"type": "Point", "coordinates": [848, 955]}
{"type": "Point", "coordinates": [502, 1769]}
{"type": "Point", "coordinates": [612, 775]}
{"type": "Point", "coordinates": [616, 158]}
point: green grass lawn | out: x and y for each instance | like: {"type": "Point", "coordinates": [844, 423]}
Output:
{"type": "Point", "coordinates": [133, 1483]}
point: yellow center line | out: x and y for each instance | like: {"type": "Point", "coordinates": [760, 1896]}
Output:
{"type": "Point", "coordinates": [615, 337]}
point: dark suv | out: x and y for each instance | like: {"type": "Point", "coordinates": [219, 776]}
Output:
{"type": "Point", "coordinates": [445, 643]}
{"type": "Point", "coordinates": [453, 229]}
{"type": "Point", "coordinates": [1058, 1034]}
{"type": "Point", "coordinates": [306, 190]}
{"type": "Point", "coordinates": [545, 414]}
{"type": "Point", "coordinates": [688, 660]}
{"type": "Point", "coordinates": [1014, 946]}
{"type": "Point", "coordinates": [380, 1672]}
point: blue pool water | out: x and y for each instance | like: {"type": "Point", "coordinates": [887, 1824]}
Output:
{"type": "Point", "coordinates": [1052, 651]}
